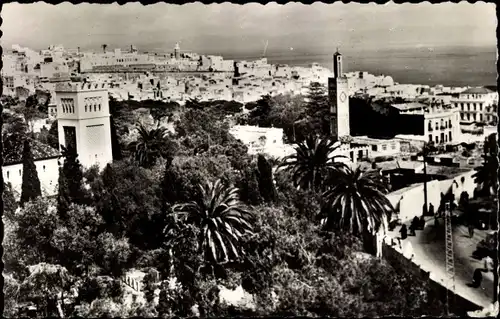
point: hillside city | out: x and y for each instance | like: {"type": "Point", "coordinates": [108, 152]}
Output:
{"type": "Point", "coordinates": [182, 184]}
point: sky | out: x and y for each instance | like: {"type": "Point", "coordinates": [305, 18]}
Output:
{"type": "Point", "coordinates": [227, 28]}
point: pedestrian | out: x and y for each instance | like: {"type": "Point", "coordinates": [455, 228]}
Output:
{"type": "Point", "coordinates": [471, 230]}
{"type": "Point", "coordinates": [404, 232]}
{"type": "Point", "coordinates": [477, 278]}
{"type": "Point", "coordinates": [422, 222]}
{"type": "Point", "coordinates": [431, 209]}
{"type": "Point", "coordinates": [436, 222]}
{"type": "Point", "coordinates": [412, 230]}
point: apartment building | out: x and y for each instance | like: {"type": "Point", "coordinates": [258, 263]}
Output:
{"type": "Point", "coordinates": [477, 105]}
{"type": "Point", "coordinates": [441, 122]}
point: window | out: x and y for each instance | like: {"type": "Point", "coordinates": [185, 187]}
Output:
{"type": "Point", "coordinates": [462, 115]}
{"type": "Point", "coordinates": [44, 168]}
{"type": "Point", "coordinates": [7, 174]}
{"type": "Point", "coordinates": [430, 138]}
{"type": "Point", "coordinates": [481, 117]}
{"type": "Point", "coordinates": [449, 136]}
{"type": "Point", "coordinates": [468, 116]}
{"type": "Point", "coordinates": [437, 125]}
{"type": "Point", "coordinates": [474, 104]}
{"type": "Point", "coordinates": [437, 139]}
{"type": "Point", "coordinates": [393, 145]}
{"type": "Point", "coordinates": [85, 107]}
{"type": "Point", "coordinates": [374, 148]}
{"type": "Point", "coordinates": [480, 106]}
{"type": "Point", "coordinates": [468, 106]}
{"type": "Point", "coordinates": [474, 116]}
{"type": "Point", "coordinates": [99, 106]}
{"type": "Point", "coordinates": [384, 147]}
{"type": "Point", "coordinates": [430, 126]}
{"type": "Point", "coordinates": [20, 172]}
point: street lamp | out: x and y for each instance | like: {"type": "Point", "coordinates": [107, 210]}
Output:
{"type": "Point", "coordinates": [425, 152]}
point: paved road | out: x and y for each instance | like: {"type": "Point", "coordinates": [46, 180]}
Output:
{"type": "Point", "coordinates": [429, 252]}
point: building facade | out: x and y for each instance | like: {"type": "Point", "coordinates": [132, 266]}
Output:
{"type": "Point", "coordinates": [441, 122]}
{"type": "Point", "coordinates": [477, 105]}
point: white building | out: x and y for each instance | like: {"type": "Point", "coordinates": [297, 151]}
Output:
{"type": "Point", "coordinates": [477, 105]}
{"type": "Point", "coordinates": [83, 121]}
{"type": "Point", "coordinates": [46, 162]}
{"type": "Point", "coordinates": [379, 147]}
{"type": "Point", "coordinates": [116, 58]}
{"type": "Point", "coordinates": [262, 140]}
{"type": "Point", "coordinates": [441, 123]}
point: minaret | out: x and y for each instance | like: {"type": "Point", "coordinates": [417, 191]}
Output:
{"type": "Point", "coordinates": [338, 93]}
{"type": "Point", "coordinates": [177, 51]}
{"type": "Point", "coordinates": [83, 120]}
{"type": "Point", "coordinates": [337, 65]}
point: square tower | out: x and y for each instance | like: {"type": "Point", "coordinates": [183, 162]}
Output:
{"type": "Point", "coordinates": [338, 94]}
{"type": "Point", "coordinates": [83, 121]}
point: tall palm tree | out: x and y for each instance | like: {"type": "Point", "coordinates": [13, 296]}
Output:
{"type": "Point", "coordinates": [486, 175]}
{"type": "Point", "coordinates": [219, 215]}
{"type": "Point", "coordinates": [150, 145]}
{"type": "Point", "coordinates": [312, 162]}
{"type": "Point", "coordinates": [356, 202]}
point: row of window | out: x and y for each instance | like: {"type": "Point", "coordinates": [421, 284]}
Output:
{"type": "Point", "coordinates": [68, 105]}
{"type": "Point", "coordinates": [445, 138]}
{"type": "Point", "coordinates": [475, 107]}
{"type": "Point", "coordinates": [472, 116]}
{"type": "Point", "coordinates": [93, 103]}
{"type": "Point", "coordinates": [21, 172]}
{"type": "Point", "coordinates": [384, 147]}
{"type": "Point", "coordinates": [444, 124]}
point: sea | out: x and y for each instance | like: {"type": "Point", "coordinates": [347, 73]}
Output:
{"type": "Point", "coordinates": [448, 66]}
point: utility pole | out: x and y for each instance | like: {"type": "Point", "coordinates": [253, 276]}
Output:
{"type": "Point", "coordinates": [450, 264]}
{"type": "Point", "coordinates": [424, 155]}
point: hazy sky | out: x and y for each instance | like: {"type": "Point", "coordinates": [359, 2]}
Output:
{"type": "Point", "coordinates": [223, 28]}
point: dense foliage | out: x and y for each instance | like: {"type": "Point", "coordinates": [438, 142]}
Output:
{"type": "Point", "coordinates": [188, 202]}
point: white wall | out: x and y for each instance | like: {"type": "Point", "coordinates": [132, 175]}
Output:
{"type": "Point", "coordinates": [411, 201]}
{"type": "Point", "coordinates": [48, 173]}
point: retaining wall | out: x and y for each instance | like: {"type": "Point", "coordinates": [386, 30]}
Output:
{"type": "Point", "coordinates": [396, 257]}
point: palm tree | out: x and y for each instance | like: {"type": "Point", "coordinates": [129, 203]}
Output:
{"type": "Point", "coordinates": [486, 175]}
{"type": "Point", "coordinates": [219, 215]}
{"type": "Point", "coordinates": [356, 202]}
{"type": "Point", "coordinates": [150, 145]}
{"type": "Point", "coordinates": [312, 162]}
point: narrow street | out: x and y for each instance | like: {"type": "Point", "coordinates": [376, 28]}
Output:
{"type": "Point", "coordinates": [429, 253]}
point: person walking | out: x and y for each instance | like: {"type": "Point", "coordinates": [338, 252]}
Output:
{"type": "Point", "coordinates": [471, 230]}
{"type": "Point", "coordinates": [404, 232]}
{"type": "Point", "coordinates": [477, 278]}
{"type": "Point", "coordinates": [422, 222]}
{"type": "Point", "coordinates": [412, 229]}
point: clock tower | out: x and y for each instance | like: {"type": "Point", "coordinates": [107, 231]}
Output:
{"type": "Point", "coordinates": [338, 90]}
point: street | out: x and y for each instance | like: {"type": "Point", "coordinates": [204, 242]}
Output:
{"type": "Point", "coordinates": [429, 252]}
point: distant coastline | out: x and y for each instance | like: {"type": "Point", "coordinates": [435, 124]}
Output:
{"type": "Point", "coordinates": [459, 67]}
